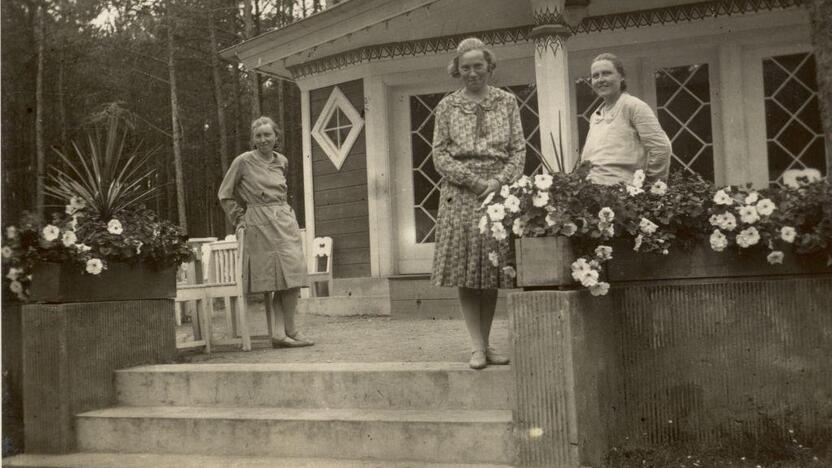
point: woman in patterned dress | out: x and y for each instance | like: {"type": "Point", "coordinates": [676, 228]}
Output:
{"type": "Point", "coordinates": [624, 134]}
{"type": "Point", "coordinates": [253, 195]}
{"type": "Point", "coordinates": [478, 145]}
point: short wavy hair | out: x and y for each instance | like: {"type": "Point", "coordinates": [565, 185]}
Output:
{"type": "Point", "coordinates": [264, 120]}
{"type": "Point", "coordinates": [616, 62]}
{"type": "Point", "coordinates": [467, 45]}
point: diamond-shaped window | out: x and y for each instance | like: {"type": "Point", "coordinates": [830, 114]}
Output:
{"type": "Point", "coordinates": [337, 127]}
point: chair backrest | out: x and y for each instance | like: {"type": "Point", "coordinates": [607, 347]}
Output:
{"type": "Point", "coordinates": [222, 262]}
{"type": "Point", "coordinates": [320, 259]}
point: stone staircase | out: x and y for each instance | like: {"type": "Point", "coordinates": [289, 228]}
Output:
{"type": "Point", "coordinates": [299, 414]}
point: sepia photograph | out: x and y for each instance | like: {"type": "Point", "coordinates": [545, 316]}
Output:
{"type": "Point", "coordinates": [416, 233]}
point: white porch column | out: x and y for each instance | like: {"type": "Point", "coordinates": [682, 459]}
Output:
{"type": "Point", "coordinates": [553, 83]}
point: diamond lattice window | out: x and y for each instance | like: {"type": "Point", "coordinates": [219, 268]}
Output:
{"type": "Point", "coordinates": [337, 127]}
{"type": "Point", "coordinates": [794, 132]}
{"type": "Point", "coordinates": [586, 101]}
{"type": "Point", "coordinates": [683, 101]}
{"type": "Point", "coordinates": [426, 179]}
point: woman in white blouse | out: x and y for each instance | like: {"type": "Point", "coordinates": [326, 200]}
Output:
{"type": "Point", "coordinates": [624, 134]}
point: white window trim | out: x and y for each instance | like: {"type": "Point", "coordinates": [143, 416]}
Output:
{"type": "Point", "coordinates": [337, 100]}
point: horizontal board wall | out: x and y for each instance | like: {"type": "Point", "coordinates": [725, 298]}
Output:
{"type": "Point", "coordinates": [341, 210]}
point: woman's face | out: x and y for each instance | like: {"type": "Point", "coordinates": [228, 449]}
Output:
{"type": "Point", "coordinates": [606, 81]}
{"type": "Point", "coordinates": [264, 138]}
{"type": "Point", "coordinates": [473, 70]}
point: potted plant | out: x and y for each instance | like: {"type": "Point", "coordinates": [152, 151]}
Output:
{"type": "Point", "coordinates": [567, 229]}
{"type": "Point", "coordinates": [106, 244]}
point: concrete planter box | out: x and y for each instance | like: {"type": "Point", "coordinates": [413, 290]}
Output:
{"type": "Point", "coordinates": [546, 261]}
{"type": "Point", "coordinates": [65, 283]}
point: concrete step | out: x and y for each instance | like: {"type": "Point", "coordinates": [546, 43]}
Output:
{"type": "Point", "coordinates": [360, 287]}
{"type": "Point", "coordinates": [344, 306]}
{"type": "Point", "coordinates": [147, 460]}
{"type": "Point", "coordinates": [393, 385]}
{"type": "Point", "coordinates": [447, 436]}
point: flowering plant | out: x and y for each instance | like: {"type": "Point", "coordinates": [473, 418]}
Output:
{"type": "Point", "coordinates": [656, 216]}
{"type": "Point", "coordinates": [104, 219]}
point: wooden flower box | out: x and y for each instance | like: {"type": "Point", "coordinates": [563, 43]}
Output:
{"type": "Point", "coordinates": [546, 262]}
{"type": "Point", "coordinates": [64, 283]}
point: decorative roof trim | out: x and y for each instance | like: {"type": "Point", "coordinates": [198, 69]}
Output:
{"type": "Point", "coordinates": [521, 34]}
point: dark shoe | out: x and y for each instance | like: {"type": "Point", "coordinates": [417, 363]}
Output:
{"type": "Point", "coordinates": [493, 357]}
{"type": "Point", "coordinates": [301, 339]}
{"type": "Point", "coordinates": [478, 360]}
{"type": "Point", "coordinates": [287, 342]}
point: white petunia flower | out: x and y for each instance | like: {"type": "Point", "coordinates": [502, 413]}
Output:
{"type": "Point", "coordinates": [568, 229]}
{"type": "Point", "coordinates": [69, 238]}
{"type": "Point", "coordinates": [512, 204]}
{"type": "Point", "coordinates": [494, 258]}
{"type": "Point", "coordinates": [14, 273]}
{"type": "Point", "coordinates": [752, 198]}
{"type": "Point", "coordinates": [496, 212]}
{"type": "Point", "coordinates": [509, 271]}
{"type": "Point", "coordinates": [633, 190]}
{"type": "Point", "coordinates": [600, 289]}
{"type": "Point", "coordinates": [94, 266]}
{"type": "Point", "coordinates": [540, 199]}
{"type": "Point", "coordinates": [606, 214]}
{"type": "Point", "coordinates": [488, 199]}
{"type": "Point", "coordinates": [51, 232]}
{"type": "Point", "coordinates": [550, 219]}
{"type": "Point", "coordinates": [647, 226]}
{"type": "Point", "coordinates": [6, 251]}
{"type": "Point", "coordinates": [603, 252]}
{"type": "Point", "coordinates": [505, 191]}
{"type": "Point", "coordinates": [766, 207]}
{"type": "Point", "coordinates": [727, 222]}
{"type": "Point", "coordinates": [543, 181]}
{"type": "Point", "coordinates": [498, 231]}
{"type": "Point", "coordinates": [748, 237]}
{"type": "Point", "coordinates": [524, 182]}
{"type": "Point", "coordinates": [788, 233]}
{"type": "Point", "coordinates": [580, 267]}
{"type": "Point", "coordinates": [638, 178]}
{"type": "Point", "coordinates": [714, 220]}
{"type": "Point", "coordinates": [83, 247]}
{"type": "Point", "coordinates": [11, 232]}
{"type": "Point", "coordinates": [608, 229]}
{"type": "Point", "coordinates": [483, 224]}
{"type": "Point", "coordinates": [775, 257]}
{"type": "Point", "coordinates": [590, 279]}
{"type": "Point", "coordinates": [658, 188]}
{"type": "Point", "coordinates": [16, 287]}
{"type": "Point", "coordinates": [722, 198]}
{"type": "Point", "coordinates": [115, 227]}
{"type": "Point", "coordinates": [637, 245]}
{"type": "Point", "coordinates": [718, 241]}
{"type": "Point", "coordinates": [518, 227]}
{"type": "Point", "coordinates": [748, 214]}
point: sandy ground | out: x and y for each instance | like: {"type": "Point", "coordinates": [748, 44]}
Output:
{"type": "Point", "coordinates": [353, 339]}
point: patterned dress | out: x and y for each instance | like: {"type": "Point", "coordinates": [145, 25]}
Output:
{"type": "Point", "coordinates": [473, 141]}
{"type": "Point", "coordinates": [254, 192]}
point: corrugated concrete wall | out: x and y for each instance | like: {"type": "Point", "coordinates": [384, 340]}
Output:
{"type": "Point", "coordinates": [70, 352]}
{"type": "Point", "coordinates": [661, 363]}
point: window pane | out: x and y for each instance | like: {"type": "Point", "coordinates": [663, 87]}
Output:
{"type": "Point", "coordinates": [793, 126]}
{"type": "Point", "coordinates": [683, 100]}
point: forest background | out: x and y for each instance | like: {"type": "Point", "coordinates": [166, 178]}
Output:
{"type": "Point", "coordinates": [65, 63]}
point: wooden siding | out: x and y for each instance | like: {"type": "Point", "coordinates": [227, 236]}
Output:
{"type": "Point", "coordinates": [341, 195]}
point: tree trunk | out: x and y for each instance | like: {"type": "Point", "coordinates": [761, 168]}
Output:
{"type": "Point", "coordinates": [174, 118]}
{"type": "Point", "coordinates": [238, 122]}
{"type": "Point", "coordinates": [255, 82]}
{"type": "Point", "coordinates": [40, 153]}
{"type": "Point", "coordinates": [821, 18]}
{"type": "Point", "coordinates": [215, 73]}
{"type": "Point", "coordinates": [62, 98]}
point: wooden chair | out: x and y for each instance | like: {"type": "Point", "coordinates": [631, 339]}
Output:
{"type": "Point", "coordinates": [224, 280]}
{"type": "Point", "coordinates": [191, 273]}
{"type": "Point", "coordinates": [194, 294]}
{"type": "Point", "coordinates": [320, 266]}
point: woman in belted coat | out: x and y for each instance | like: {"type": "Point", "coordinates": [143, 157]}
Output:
{"type": "Point", "coordinates": [253, 195]}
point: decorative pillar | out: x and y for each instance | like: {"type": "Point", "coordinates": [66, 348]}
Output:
{"type": "Point", "coordinates": [554, 87]}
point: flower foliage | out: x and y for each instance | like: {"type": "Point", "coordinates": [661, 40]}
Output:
{"type": "Point", "coordinates": [656, 216]}
{"type": "Point", "coordinates": [81, 237]}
